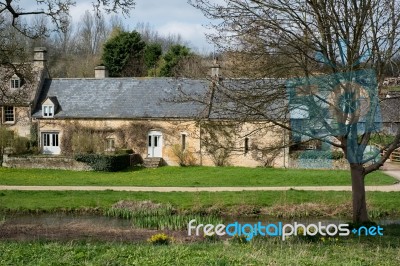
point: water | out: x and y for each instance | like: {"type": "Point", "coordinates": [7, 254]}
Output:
{"type": "Point", "coordinates": [67, 220]}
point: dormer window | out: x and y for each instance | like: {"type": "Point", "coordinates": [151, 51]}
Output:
{"type": "Point", "coordinates": [48, 110]}
{"type": "Point", "coordinates": [50, 106]}
{"type": "Point", "coordinates": [15, 82]}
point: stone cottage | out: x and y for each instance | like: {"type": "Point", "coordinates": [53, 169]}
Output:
{"type": "Point", "coordinates": [104, 114]}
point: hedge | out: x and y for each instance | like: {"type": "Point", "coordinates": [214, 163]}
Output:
{"type": "Point", "coordinates": [316, 154]}
{"type": "Point", "coordinates": [102, 162]}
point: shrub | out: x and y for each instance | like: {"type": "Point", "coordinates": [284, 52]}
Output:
{"type": "Point", "coordinates": [101, 162]}
{"type": "Point", "coordinates": [124, 151]}
{"type": "Point", "coordinates": [185, 157]}
{"type": "Point", "coordinates": [21, 145]}
{"type": "Point", "coordinates": [316, 154]}
{"type": "Point", "coordinates": [160, 239]}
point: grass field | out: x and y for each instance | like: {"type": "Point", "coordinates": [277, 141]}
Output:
{"type": "Point", "coordinates": [236, 203]}
{"type": "Point", "coordinates": [379, 251]}
{"type": "Point", "coordinates": [188, 177]}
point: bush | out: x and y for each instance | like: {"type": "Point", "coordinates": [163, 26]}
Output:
{"type": "Point", "coordinates": [124, 151]}
{"type": "Point", "coordinates": [185, 157]}
{"type": "Point", "coordinates": [107, 163]}
{"type": "Point", "coordinates": [21, 145]}
{"type": "Point", "coordinates": [316, 154]}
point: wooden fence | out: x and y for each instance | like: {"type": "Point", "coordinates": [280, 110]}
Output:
{"type": "Point", "coordinates": [394, 157]}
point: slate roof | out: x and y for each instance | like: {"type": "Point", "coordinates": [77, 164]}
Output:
{"type": "Point", "coordinates": [121, 97]}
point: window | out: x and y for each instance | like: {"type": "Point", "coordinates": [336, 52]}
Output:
{"type": "Point", "coordinates": [110, 144]}
{"type": "Point", "coordinates": [48, 110]}
{"type": "Point", "coordinates": [246, 145]}
{"type": "Point", "coordinates": [8, 116]}
{"type": "Point", "coordinates": [15, 82]}
{"type": "Point", "coordinates": [183, 139]}
{"type": "Point", "coordinates": [50, 143]}
{"type": "Point", "coordinates": [156, 141]}
{"type": "Point", "coordinates": [50, 140]}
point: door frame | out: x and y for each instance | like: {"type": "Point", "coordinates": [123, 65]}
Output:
{"type": "Point", "coordinates": [154, 144]}
{"type": "Point", "coordinates": [51, 148]}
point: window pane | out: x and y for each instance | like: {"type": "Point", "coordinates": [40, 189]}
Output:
{"type": "Point", "coordinates": [149, 141]}
{"type": "Point", "coordinates": [246, 145]}
{"type": "Point", "coordinates": [50, 110]}
{"type": "Point", "coordinates": [155, 141]}
{"type": "Point", "coordinates": [45, 112]}
{"type": "Point", "coordinates": [15, 83]}
{"type": "Point", "coordinates": [46, 140]}
{"type": "Point", "coordinates": [55, 140]}
{"type": "Point", "coordinates": [183, 141]}
{"type": "Point", "coordinates": [8, 114]}
{"type": "Point", "coordinates": [110, 144]}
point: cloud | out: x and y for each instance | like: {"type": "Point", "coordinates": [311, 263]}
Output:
{"type": "Point", "coordinates": [193, 33]}
{"type": "Point", "coordinates": [77, 11]}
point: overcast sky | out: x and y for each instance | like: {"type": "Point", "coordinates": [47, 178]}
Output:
{"type": "Point", "coordinates": [165, 16]}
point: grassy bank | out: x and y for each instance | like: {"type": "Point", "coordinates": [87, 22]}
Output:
{"type": "Point", "coordinates": [277, 203]}
{"type": "Point", "coordinates": [381, 251]}
{"type": "Point", "coordinates": [189, 177]}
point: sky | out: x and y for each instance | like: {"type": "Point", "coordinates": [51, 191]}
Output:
{"type": "Point", "coordinates": [164, 16]}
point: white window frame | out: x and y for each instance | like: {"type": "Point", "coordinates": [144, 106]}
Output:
{"type": "Point", "coordinates": [46, 110]}
{"type": "Point", "coordinates": [110, 144]}
{"type": "Point", "coordinates": [5, 114]}
{"type": "Point", "coordinates": [50, 142]}
{"type": "Point", "coordinates": [15, 82]}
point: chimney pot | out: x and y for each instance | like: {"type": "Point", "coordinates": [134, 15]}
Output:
{"type": "Point", "coordinates": [100, 72]}
{"type": "Point", "coordinates": [215, 69]}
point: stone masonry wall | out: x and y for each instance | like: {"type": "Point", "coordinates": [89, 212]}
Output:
{"type": "Point", "coordinates": [44, 162]}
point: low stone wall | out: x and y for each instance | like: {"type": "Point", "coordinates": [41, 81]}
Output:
{"type": "Point", "coordinates": [318, 164]}
{"type": "Point", "coordinates": [44, 162]}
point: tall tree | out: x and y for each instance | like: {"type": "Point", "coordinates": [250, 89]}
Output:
{"type": "Point", "coordinates": [123, 54]}
{"type": "Point", "coordinates": [353, 40]}
{"type": "Point", "coordinates": [171, 59]}
{"type": "Point", "coordinates": [16, 25]}
{"type": "Point", "coordinates": [152, 54]}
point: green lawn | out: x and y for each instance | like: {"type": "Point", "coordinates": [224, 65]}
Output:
{"type": "Point", "coordinates": [237, 203]}
{"type": "Point", "coordinates": [382, 251]}
{"type": "Point", "coordinates": [189, 177]}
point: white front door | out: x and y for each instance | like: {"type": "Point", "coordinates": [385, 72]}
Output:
{"type": "Point", "coordinates": [50, 143]}
{"type": "Point", "coordinates": [154, 144]}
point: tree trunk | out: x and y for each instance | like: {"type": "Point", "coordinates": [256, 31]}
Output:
{"type": "Point", "coordinates": [360, 213]}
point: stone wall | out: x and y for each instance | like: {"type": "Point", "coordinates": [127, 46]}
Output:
{"type": "Point", "coordinates": [44, 162]}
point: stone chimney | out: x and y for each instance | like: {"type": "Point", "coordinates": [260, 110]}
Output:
{"type": "Point", "coordinates": [100, 72]}
{"type": "Point", "coordinates": [39, 57]}
{"type": "Point", "coordinates": [215, 69]}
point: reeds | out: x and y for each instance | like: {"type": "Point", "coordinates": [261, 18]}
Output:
{"type": "Point", "coordinates": [160, 217]}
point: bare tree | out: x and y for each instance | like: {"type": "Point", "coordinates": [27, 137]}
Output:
{"type": "Point", "coordinates": [92, 33]}
{"type": "Point", "coordinates": [340, 48]}
{"type": "Point", "coordinates": [22, 23]}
